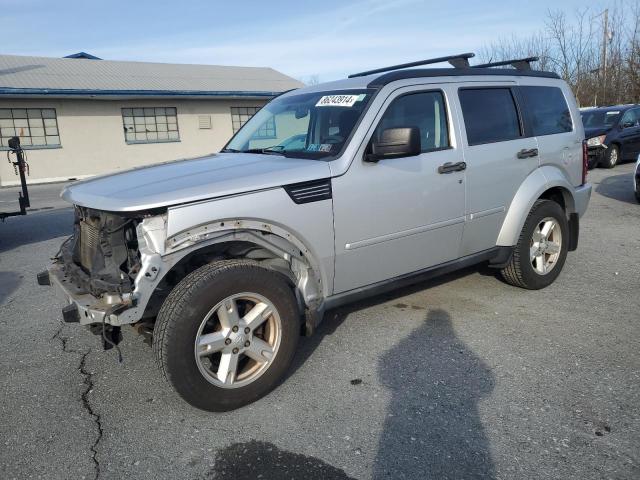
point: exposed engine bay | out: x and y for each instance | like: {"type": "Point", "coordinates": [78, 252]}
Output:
{"type": "Point", "coordinates": [102, 255]}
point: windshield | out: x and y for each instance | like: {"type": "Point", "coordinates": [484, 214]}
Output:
{"type": "Point", "coordinates": [600, 118]}
{"type": "Point", "coordinates": [310, 125]}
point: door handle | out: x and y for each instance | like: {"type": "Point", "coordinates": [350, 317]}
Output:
{"type": "Point", "coordinates": [528, 153]}
{"type": "Point", "coordinates": [452, 167]}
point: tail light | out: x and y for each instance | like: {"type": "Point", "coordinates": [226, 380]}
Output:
{"type": "Point", "coordinates": [585, 162]}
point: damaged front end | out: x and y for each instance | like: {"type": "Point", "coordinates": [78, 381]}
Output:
{"type": "Point", "coordinates": [102, 256]}
{"type": "Point", "coordinates": [96, 270]}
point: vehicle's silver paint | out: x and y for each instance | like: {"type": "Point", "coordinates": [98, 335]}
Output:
{"type": "Point", "coordinates": [538, 182]}
{"type": "Point", "coordinates": [564, 150]}
{"type": "Point", "coordinates": [309, 226]}
{"type": "Point", "coordinates": [391, 218]}
{"type": "Point", "coordinates": [423, 211]}
{"type": "Point", "coordinates": [493, 175]}
{"type": "Point", "coordinates": [191, 180]}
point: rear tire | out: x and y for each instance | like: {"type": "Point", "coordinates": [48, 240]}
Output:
{"type": "Point", "coordinates": [255, 314]}
{"type": "Point", "coordinates": [612, 156]}
{"type": "Point", "coordinates": [538, 258]}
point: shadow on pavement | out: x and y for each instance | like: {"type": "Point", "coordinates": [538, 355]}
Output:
{"type": "Point", "coordinates": [17, 231]}
{"type": "Point", "coordinates": [9, 282]}
{"type": "Point", "coordinates": [618, 187]}
{"type": "Point", "coordinates": [433, 428]}
{"type": "Point", "coordinates": [334, 318]}
{"type": "Point", "coordinates": [252, 460]}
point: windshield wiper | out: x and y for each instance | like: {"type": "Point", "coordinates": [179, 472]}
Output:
{"type": "Point", "coordinates": [266, 151]}
{"type": "Point", "coordinates": [229, 150]}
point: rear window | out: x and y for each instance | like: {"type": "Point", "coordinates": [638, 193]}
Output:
{"type": "Point", "coordinates": [548, 110]}
{"type": "Point", "coordinates": [490, 115]}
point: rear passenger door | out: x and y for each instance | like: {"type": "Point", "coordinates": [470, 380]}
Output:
{"type": "Point", "coordinates": [499, 157]}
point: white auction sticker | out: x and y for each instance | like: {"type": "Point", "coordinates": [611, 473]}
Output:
{"type": "Point", "coordinates": [338, 100]}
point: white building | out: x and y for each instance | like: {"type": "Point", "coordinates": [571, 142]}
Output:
{"type": "Point", "coordinates": [83, 116]}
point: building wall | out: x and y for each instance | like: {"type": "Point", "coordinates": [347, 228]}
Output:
{"type": "Point", "coordinates": [92, 136]}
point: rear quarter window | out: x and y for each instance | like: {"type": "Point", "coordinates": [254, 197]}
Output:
{"type": "Point", "coordinates": [490, 115]}
{"type": "Point", "coordinates": [547, 110]}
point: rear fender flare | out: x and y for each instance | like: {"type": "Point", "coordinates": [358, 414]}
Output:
{"type": "Point", "coordinates": [535, 185]}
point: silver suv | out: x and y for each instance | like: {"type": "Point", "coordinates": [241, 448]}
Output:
{"type": "Point", "coordinates": [329, 194]}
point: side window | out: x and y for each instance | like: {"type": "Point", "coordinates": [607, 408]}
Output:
{"type": "Point", "coordinates": [548, 110]}
{"type": "Point", "coordinates": [630, 118]}
{"type": "Point", "coordinates": [424, 110]}
{"type": "Point", "coordinates": [490, 115]}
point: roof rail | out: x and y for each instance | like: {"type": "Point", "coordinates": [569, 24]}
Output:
{"type": "Point", "coordinates": [458, 61]}
{"type": "Point", "coordinates": [517, 63]}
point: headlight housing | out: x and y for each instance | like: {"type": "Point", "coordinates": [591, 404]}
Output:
{"type": "Point", "coordinates": [596, 141]}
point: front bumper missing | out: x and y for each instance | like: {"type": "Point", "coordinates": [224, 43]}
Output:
{"type": "Point", "coordinates": [82, 307]}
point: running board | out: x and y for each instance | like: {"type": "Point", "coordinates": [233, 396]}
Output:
{"type": "Point", "coordinates": [497, 253]}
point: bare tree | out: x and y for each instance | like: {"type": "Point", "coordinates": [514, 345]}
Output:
{"type": "Point", "coordinates": [599, 59]}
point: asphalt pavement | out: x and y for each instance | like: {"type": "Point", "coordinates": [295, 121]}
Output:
{"type": "Point", "coordinates": [460, 377]}
{"type": "Point", "coordinates": [42, 197]}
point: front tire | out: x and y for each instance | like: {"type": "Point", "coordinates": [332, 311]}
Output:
{"type": "Point", "coordinates": [612, 156]}
{"type": "Point", "coordinates": [226, 334]}
{"type": "Point", "coordinates": [541, 251]}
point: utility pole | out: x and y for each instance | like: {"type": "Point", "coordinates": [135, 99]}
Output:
{"type": "Point", "coordinates": [603, 68]}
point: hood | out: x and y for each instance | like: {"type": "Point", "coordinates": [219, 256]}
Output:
{"type": "Point", "coordinates": [185, 181]}
{"type": "Point", "coordinates": [595, 131]}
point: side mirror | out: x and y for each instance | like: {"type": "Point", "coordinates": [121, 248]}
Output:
{"type": "Point", "coordinates": [395, 143]}
{"type": "Point", "coordinates": [627, 124]}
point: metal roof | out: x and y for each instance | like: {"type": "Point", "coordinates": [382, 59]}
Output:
{"type": "Point", "coordinates": [80, 77]}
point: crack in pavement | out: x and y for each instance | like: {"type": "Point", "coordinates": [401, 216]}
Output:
{"type": "Point", "coordinates": [88, 381]}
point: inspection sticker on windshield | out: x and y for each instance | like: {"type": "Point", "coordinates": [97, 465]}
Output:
{"type": "Point", "coordinates": [338, 100]}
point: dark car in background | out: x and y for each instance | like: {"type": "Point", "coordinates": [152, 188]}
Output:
{"type": "Point", "coordinates": [612, 134]}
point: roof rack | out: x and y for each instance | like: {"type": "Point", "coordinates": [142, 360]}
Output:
{"type": "Point", "coordinates": [518, 63]}
{"type": "Point", "coordinates": [458, 61]}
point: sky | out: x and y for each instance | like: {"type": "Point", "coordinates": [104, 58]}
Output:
{"type": "Point", "coordinates": [327, 38]}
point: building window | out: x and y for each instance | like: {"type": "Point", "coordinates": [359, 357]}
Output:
{"type": "Point", "coordinates": [36, 127]}
{"type": "Point", "coordinates": [240, 116]}
{"type": "Point", "coordinates": [150, 125]}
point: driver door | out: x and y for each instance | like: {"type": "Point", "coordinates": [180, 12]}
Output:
{"type": "Point", "coordinates": [399, 215]}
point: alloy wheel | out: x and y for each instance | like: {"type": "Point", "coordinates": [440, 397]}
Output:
{"type": "Point", "coordinates": [545, 246]}
{"type": "Point", "coordinates": [238, 340]}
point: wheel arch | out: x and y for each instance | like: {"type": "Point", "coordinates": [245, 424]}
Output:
{"type": "Point", "coordinates": [547, 182]}
{"type": "Point", "coordinates": [271, 246]}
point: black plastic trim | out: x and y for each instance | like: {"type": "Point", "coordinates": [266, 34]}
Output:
{"type": "Point", "coordinates": [312, 191]}
{"type": "Point", "coordinates": [383, 80]}
{"type": "Point", "coordinates": [70, 313]}
{"type": "Point", "coordinates": [44, 279]}
{"type": "Point", "coordinates": [460, 60]}
{"type": "Point", "coordinates": [502, 258]}
{"type": "Point", "coordinates": [574, 231]}
{"type": "Point", "coordinates": [410, 278]}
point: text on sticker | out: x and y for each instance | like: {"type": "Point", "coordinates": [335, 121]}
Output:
{"type": "Point", "coordinates": [337, 101]}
